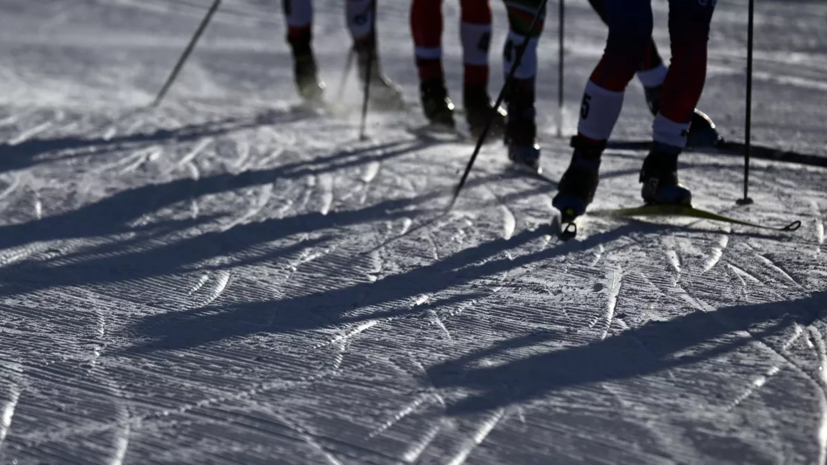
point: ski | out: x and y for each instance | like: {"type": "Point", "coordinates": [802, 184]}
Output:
{"type": "Point", "coordinates": [438, 133]}
{"type": "Point", "coordinates": [322, 108]}
{"type": "Point", "coordinates": [689, 212]}
{"type": "Point", "coordinates": [736, 149]}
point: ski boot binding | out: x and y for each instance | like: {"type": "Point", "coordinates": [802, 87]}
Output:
{"type": "Point", "coordinates": [521, 137]}
{"type": "Point", "coordinates": [437, 106]}
{"type": "Point", "coordinates": [478, 109]}
{"type": "Point", "coordinates": [308, 84]}
{"type": "Point", "coordinates": [579, 183]}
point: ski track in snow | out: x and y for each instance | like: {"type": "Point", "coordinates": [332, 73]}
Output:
{"type": "Point", "coordinates": [350, 334]}
{"type": "Point", "coordinates": [761, 380]}
{"type": "Point", "coordinates": [29, 133]}
{"type": "Point", "coordinates": [310, 440]}
{"type": "Point", "coordinates": [819, 225]}
{"type": "Point", "coordinates": [199, 148]}
{"type": "Point", "coordinates": [716, 253]}
{"type": "Point", "coordinates": [7, 414]}
{"type": "Point", "coordinates": [821, 351]}
{"type": "Point", "coordinates": [438, 322]}
{"type": "Point", "coordinates": [262, 197]}
{"type": "Point", "coordinates": [370, 172]}
{"type": "Point", "coordinates": [416, 450]}
{"type": "Point", "coordinates": [38, 207]}
{"type": "Point", "coordinates": [484, 430]}
{"type": "Point", "coordinates": [598, 254]}
{"type": "Point", "coordinates": [819, 380]}
{"type": "Point", "coordinates": [13, 185]}
{"type": "Point", "coordinates": [230, 277]}
{"type": "Point", "coordinates": [615, 281]}
{"type": "Point", "coordinates": [407, 410]}
{"type": "Point", "coordinates": [775, 267]}
{"type": "Point", "coordinates": [326, 187]}
{"type": "Point", "coordinates": [509, 223]}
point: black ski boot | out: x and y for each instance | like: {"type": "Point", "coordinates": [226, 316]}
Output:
{"type": "Point", "coordinates": [384, 94]}
{"type": "Point", "coordinates": [659, 177]}
{"type": "Point", "coordinates": [521, 136]}
{"type": "Point", "coordinates": [436, 104]}
{"type": "Point", "coordinates": [702, 131]}
{"type": "Point", "coordinates": [479, 108]}
{"type": "Point", "coordinates": [310, 87]}
{"type": "Point", "coordinates": [579, 183]}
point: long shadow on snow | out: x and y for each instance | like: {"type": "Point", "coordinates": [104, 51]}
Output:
{"type": "Point", "coordinates": [111, 266]}
{"type": "Point", "coordinates": [649, 349]}
{"type": "Point", "coordinates": [112, 214]}
{"type": "Point", "coordinates": [734, 149]}
{"type": "Point", "coordinates": [25, 154]}
{"type": "Point", "coordinates": [359, 302]}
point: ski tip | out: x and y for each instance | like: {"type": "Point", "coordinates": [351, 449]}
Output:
{"type": "Point", "coordinates": [792, 226]}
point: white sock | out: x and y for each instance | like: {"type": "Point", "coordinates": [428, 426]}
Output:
{"type": "Point", "coordinates": [528, 65]}
{"type": "Point", "coordinates": [476, 41]}
{"type": "Point", "coordinates": [599, 112]}
{"type": "Point", "coordinates": [669, 132]}
{"type": "Point", "coordinates": [359, 18]}
{"type": "Point", "coordinates": [653, 77]}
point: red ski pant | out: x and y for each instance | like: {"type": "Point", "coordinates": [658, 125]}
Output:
{"type": "Point", "coordinates": [475, 32]}
{"type": "Point", "coordinates": [630, 30]}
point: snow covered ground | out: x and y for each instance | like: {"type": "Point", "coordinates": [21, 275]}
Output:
{"type": "Point", "coordinates": [228, 280]}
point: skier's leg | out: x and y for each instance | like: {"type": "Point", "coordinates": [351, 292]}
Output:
{"type": "Point", "coordinates": [689, 22]}
{"type": "Point", "coordinates": [475, 34]}
{"type": "Point", "coordinates": [359, 16]}
{"type": "Point", "coordinates": [652, 71]}
{"type": "Point", "coordinates": [630, 30]}
{"type": "Point", "coordinates": [360, 22]}
{"type": "Point", "coordinates": [426, 29]}
{"type": "Point", "coordinates": [521, 130]}
{"type": "Point", "coordinates": [299, 17]}
{"type": "Point", "coordinates": [652, 74]}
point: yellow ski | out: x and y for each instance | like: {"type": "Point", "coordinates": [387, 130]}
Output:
{"type": "Point", "coordinates": [685, 211]}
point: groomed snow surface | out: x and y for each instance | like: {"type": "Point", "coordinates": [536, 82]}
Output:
{"type": "Point", "coordinates": [230, 279]}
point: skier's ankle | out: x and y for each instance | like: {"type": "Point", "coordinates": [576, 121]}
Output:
{"type": "Point", "coordinates": [588, 146]}
{"type": "Point", "coordinates": [364, 46]}
{"type": "Point", "coordinates": [667, 149]}
{"type": "Point", "coordinates": [300, 39]}
{"type": "Point", "coordinates": [430, 70]}
{"type": "Point", "coordinates": [475, 94]}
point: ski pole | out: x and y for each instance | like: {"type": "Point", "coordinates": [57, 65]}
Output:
{"type": "Point", "coordinates": [520, 52]}
{"type": "Point", "coordinates": [368, 71]}
{"type": "Point", "coordinates": [748, 126]}
{"type": "Point", "coordinates": [561, 63]}
{"type": "Point", "coordinates": [186, 53]}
